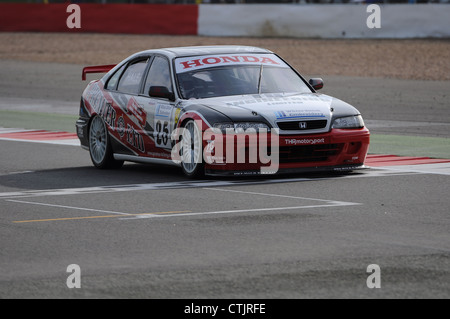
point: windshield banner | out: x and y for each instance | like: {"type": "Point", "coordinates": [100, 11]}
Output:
{"type": "Point", "coordinates": [200, 62]}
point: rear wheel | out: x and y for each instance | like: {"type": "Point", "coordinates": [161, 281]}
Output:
{"type": "Point", "coordinates": [191, 150]}
{"type": "Point", "coordinates": [99, 145]}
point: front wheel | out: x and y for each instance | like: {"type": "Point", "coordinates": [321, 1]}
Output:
{"type": "Point", "coordinates": [191, 150]}
{"type": "Point", "coordinates": [99, 145]}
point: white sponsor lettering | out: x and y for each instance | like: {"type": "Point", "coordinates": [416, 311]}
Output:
{"type": "Point", "coordinates": [304, 141]}
{"type": "Point", "coordinates": [290, 114]}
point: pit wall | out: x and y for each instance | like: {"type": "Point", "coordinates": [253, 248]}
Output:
{"type": "Point", "coordinates": [243, 20]}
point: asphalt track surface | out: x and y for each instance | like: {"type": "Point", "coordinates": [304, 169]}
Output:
{"type": "Point", "coordinates": [148, 232]}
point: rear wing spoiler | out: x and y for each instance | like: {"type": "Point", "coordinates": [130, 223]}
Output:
{"type": "Point", "coordinates": [96, 69]}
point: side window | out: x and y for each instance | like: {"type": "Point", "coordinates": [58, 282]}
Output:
{"type": "Point", "coordinates": [159, 75]}
{"type": "Point", "coordinates": [130, 82]}
{"type": "Point", "coordinates": [112, 83]}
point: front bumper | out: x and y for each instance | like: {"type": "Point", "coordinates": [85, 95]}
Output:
{"type": "Point", "coordinates": [338, 150]}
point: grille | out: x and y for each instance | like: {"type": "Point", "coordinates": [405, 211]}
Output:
{"type": "Point", "coordinates": [296, 125]}
{"type": "Point", "coordinates": [309, 153]}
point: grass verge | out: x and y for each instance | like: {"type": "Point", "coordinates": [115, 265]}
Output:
{"type": "Point", "coordinates": [39, 121]}
{"type": "Point", "coordinates": [435, 147]}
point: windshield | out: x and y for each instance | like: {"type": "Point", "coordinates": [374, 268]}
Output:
{"type": "Point", "coordinates": [238, 75]}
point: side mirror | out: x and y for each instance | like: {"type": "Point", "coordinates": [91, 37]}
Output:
{"type": "Point", "coordinates": [316, 83]}
{"type": "Point", "coordinates": [161, 91]}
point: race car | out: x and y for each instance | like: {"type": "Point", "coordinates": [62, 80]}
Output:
{"type": "Point", "coordinates": [217, 110]}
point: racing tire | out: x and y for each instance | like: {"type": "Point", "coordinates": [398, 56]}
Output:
{"type": "Point", "coordinates": [191, 150]}
{"type": "Point", "coordinates": [99, 145]}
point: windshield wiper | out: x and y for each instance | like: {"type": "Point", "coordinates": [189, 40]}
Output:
{"type": "Point", "coordinates": [260, 79]}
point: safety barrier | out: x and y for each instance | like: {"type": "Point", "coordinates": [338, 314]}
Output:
{"type": "Point", "coordinates": [265, 20]}
{"type": "Point", "coordinates": [102, 18]}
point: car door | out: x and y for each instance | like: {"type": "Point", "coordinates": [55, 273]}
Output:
{"type": "Point", "coordinates": [157, 99]}
{"type": "Point", "coordinates": [130, 125]}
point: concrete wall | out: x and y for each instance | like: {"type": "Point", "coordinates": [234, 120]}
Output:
{"type": "Point", "coordinates": [324, 21]}
{"type": "Point", "coordinates": [273, 20]}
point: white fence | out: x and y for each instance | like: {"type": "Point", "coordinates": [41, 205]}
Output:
{"type": "Point", "coordinates": [324, 21]}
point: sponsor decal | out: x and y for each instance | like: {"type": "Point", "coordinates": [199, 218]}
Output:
{"type": "Point", "coordinates": [177, 115]}
{"type": "Point", "coordinates": [121, 126]}
{"type": "Point", "coordinates": [201, 62]}
{"type": "Point", "coordinates": [159, 155]}
{"type": "Point", "coordinates": [101, 106]}
{"type": "Point", "coordinates": [135, 109]}
{"type": "Point", "coordinates": [292, 114]}
{"type": "Point", "coordinates": [304, 141]}
{"type": "Point", "coordinates": [108, 113]}
{"type": "Point", "coordinates": [135, 139]}
{"type": "Point", "coordinates": [163, 110]}
{"type": "Point", "coordinates": [278, 99]}
{"type": "Point", "coordinates": [95, 97]}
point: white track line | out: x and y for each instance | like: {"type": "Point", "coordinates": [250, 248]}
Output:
{"type": "Point", "coordinates": [284, 196]}
{"type": "Point", "coordinates": [68, 207]}
{"type": "Point", "coordinates": [264, 209]}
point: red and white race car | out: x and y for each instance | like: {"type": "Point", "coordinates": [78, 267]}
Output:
{"type": "Point", "coordinates": [217, 110]}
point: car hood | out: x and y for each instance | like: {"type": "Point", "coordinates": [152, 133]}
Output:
{"type": "Point", "coordinates": [276, 108]}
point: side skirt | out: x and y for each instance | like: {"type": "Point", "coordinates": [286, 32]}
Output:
{"type": "Point", "coordinates": [147, 160]}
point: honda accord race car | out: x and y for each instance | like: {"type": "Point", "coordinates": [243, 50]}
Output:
{"type": "Point", "coordinates": [217, 110]}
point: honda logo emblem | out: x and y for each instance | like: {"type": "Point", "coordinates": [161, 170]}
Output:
{"type": "Point", "coordinates": [302, 125]}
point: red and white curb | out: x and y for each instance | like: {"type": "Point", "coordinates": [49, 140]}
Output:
{"type": "Point", "coordinates": [408, 164]}
{"type": "Point", "coordinates": [39, 136]}
{"type": "Point", "coordinates": [376, 160]}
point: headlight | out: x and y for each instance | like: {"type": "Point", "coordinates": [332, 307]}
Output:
{"type": "Point", "coordinates": [241, 127]}
{"type": "Point", "coordinates": [349, 122]}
